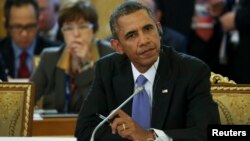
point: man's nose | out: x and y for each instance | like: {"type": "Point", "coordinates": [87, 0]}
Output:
{"type": "Point", "coordinates": [24, 32]}
{"type": "Point", "coordinates": [143, 38]}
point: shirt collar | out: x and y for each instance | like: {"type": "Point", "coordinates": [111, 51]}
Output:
{"type": "Point", "coordinates": [18, 50]}
{"type": "Point", "coordinates": [149, 74]}
{"type": "Point", "coordinates": [53, 31]}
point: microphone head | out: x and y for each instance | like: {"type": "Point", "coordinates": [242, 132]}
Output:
{"type": "Point", "coordinates": [139, 89]}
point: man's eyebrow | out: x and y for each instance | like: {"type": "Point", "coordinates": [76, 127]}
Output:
{"type": "Point", "coordinates": [148, 25]}
{"type": "Point", "coordinates": [129, 33]}
{"type": "Point", "coordinates": [134, 31]}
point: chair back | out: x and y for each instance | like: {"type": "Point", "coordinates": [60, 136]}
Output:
{"type": "Point", "coordinates": [16, 108]}
{"type": "Point", "coordinates": [233, 100]}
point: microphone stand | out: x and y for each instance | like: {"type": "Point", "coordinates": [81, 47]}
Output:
{"type": "Point", "coordinates": [138, 90]}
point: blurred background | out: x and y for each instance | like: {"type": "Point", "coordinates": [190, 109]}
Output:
{"type": "Point", "coordinates": [103, 12]}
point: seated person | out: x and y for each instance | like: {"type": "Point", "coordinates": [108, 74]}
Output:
{"type": "Point", "coordinates": [65, 73]}
{"type": "Point", "coordinates": [176, 104]}
{"type": "Point", "coordinates": [169, 37]}
{"type": "Point", "coordinates": [48, 26]}
{"type": "Point", "coordinates": [22, 43]}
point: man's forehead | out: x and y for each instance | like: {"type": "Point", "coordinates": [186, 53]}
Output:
{"type": "Point", "coordinates": [136, 15]}
{"type": "Point", "coordinates": [23, 13]}
{"type": "Point", "coordinates": [134, 19]}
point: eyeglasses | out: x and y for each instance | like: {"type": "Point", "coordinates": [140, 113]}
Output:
{"type": "Point", "coordinates": [69, 29]}
{"type": "Point", "coordinates": [19, 28]}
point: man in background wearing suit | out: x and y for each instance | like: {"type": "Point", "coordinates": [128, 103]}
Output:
{"type": "Point", "coordinates": [169, 37]}
{"type": "Point", "coordinates": [234, 16]}
{"type": "Point", "coordinates": [177, 87]}
{"type": "Point", "coordinates": [22, 42]}
{"type": "Point", "coordinates": [48, 26]}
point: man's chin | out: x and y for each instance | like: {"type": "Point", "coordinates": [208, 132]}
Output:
{"type": "Point", "coordinates": [149, 61]}
{"type": "Point", "coordinates": [24, 46]}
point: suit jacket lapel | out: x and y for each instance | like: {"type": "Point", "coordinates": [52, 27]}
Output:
{"type": "Point", "coordinates": [163, 87]}
{"type": "Point", "coordinates": [59, 81]}
{"type": "Point", "coordinates": [39, 46]}
{"type": "Point", "coordinates": [8, 55]}
{"type": "Point", "coordinates": [61, 84]}
{"type": "Point", "coordinates": [123, 84]}
{"type": "Point", "coordinates": [11, 64]}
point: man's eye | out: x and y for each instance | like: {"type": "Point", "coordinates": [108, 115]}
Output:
{"type": "Point", "coordinates": [68, 28]}
{"type": "Point", "coordinates": [129, 36]}
{"type": "Point", "coordinates": [148, 28]}
{"type": "Point", "coordinates": [31, 26]}
{"type": "Point", "coordinates": [17, 27]}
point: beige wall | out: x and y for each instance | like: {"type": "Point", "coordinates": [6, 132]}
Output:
{"type": "Point", "coordinates": [104, 9]}
{"type": "Point", "coordinates": [2, 30]}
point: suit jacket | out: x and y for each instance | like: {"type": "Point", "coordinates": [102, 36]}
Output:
{"type": "Point", "coordinates": [183, 113]}
{"type": "Point", "coordinates": [3, 76]}
{"type": "Point", "coordinates": [50, 80]}
{"type": "Point", "coordinates": [179, 20]}
{"type": "Point", "coordinates": [8, 52]}
{"type": "Point", "coordinates": [174, 39]}
{"type": "Point", "coordinates": [240, 54]}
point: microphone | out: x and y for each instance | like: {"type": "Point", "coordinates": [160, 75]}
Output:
{"type": "Point", "coordinates": [137, 90]}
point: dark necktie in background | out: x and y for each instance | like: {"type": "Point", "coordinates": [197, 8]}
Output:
{"type": "Point", "coordinates": [203, 22]}
{"type": "Point", "coordinates": [23, 71]}
{"type": "Point", "coordinates": [141, 106]}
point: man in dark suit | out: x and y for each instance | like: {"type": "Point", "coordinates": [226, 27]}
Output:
{"type": "Point", "coordinates": [177, 86]}
{"type": "Point", "coordinates": [233, 16]}
{"type": "Point", "coordinates": [48, 26]}
{"type": "Point", "coordinates": [169, 37]}
{"type": "Point", "coordinates": [21, 23]}
{"type": "Point", "coordinates": [203, 42]}
{"type": "Point", "coordinates": [238, 53]}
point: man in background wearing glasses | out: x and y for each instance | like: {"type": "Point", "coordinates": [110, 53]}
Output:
{"type": "Point", "coordinates": [22, 42]}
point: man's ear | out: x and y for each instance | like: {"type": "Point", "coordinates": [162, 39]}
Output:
{"type": "Point", "coordinates": [158, 24]}
{"type": "Point", "coordinates": [158, 15]}
{"type": "Point", "coordinates": [116, 46]}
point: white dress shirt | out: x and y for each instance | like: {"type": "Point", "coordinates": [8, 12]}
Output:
{"type": "Point", "coordinates": [150, 75]}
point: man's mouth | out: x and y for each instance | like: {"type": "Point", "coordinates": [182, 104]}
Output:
{"type": "Point", "coordinates": [147, 52]}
